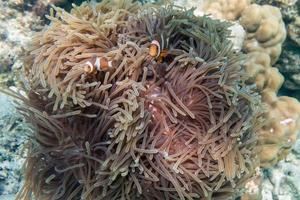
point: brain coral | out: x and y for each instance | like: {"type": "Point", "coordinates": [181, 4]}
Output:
{"type": "Point", "coordinates": [137, 102]}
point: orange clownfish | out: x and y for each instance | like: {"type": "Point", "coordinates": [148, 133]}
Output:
{"type": "Point", "coordinates": [99, 64]}
{"type": "Point", "coordinates": [156, 52]}
{"type": "Point", "coordinates": [154, 49]}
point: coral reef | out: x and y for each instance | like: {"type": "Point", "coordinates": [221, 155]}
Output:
{"type": "Point", "coordinates": [289, 65]}
{"type": "Point", "coordinates": [15, 30]}
{"type": "Point", "coordinates": [237, 36]}
{"type": "Point", "coordinates": [289, 62]}
{"type": "Point", "coordinates": [12, 139]}
{"type": "Point", "coordinates": [77, 119]}
{"type": "Point", "coordinates": [279, 134]}
{"type": "Point", "coordinates": [294, 31]}
{"type": "Point", "coordinates": [139, 102]}
{"type": "Point", "coordinates": [265, 34]}
{"type": "Point", "coordinates": [253, 187]}
{"type": "Point", "coordinates": [265, 30]}
{"type": "Point", "coordinates": [19, 20]}
{"type": "Point", "coordinates": [288, 8]}
{"type": "Point", "coordinates": [282, 181]}
{"type": "Point", "coordinates": [225, 9]}
{"type": "Point", "coordinates": [258, 66]}
{"type": "Point", "coordinates": [40, 8]}
{"type": "Point", "coordinates": [7, 79]}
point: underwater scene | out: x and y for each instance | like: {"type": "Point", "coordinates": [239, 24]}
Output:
{"type": "Point", "coordinates": [149, 100]}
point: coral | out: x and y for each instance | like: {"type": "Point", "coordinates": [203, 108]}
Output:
{"type": "Point", "coordinates": [41, 7]}
{"type": "Point", "coordinates": [225, 9]}
{"type": "Point", "coordinates": [265, 34]}
{"type": "Point", "coordinates": [258, 67]}
{"type": "Point", "coordinates": [113, 121]}
{"type": "Point", "coordinates": [237, 36]}
{"type": "Point", "coordinates": [15, 31]}
{"type": "Point", "coordinates": [253, 187]}
{"type": "Point", "coordinates": [282, 181]}
{"type": "Point", "coordinates": [7, 79]}
{"type": "Point", "coordinates": [288, 63]}
{"type": "Point", "coordinates": [288, 8]}
{"type": "Point", "coordinates": [265, 30]}
{"type": "Point", "coordinates": [12, 140]}
{"type": "Point", "coordinates": [280, 132]}
{"type": "Point", "coordinates": [278, 135]}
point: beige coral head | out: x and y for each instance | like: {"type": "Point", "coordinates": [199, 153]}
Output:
{"type": "Point", "coordinates": [251, 18]}
{"type": "Point", "coordinates": [265, 30]}
{"type": "Point", "coordinates": [258, 66]}
{"type": "Point", "coordinates": [225, 9]}
{"type": "Point", "coordinates": [280, 131]}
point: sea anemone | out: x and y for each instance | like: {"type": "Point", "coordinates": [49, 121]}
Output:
{"type": "Point", "coordinates": [118, 118]}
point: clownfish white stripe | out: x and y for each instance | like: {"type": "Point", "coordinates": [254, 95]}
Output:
{"type": "Point", "coordinates": [155, 42]}
{"type": "Point", "coordinates": [89, 64]}
{"type": "Point", "coordinates": [98, 64]}
{"type": "Point", "coordinates": [110, 64]}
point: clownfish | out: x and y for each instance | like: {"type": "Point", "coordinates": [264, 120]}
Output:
{"type": "Point", "coordinates": [156, 52]}
{"type": "Point", "coordinates": [97, 64]}
{"type": "Point", "coordinates": [154, 49]}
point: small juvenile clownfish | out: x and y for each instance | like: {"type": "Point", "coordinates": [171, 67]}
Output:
{"type": "Point", "coordinates": [99, 64]}
{"type": "Point", "coordinates": [156, 52]}
{"type": "Point", "coordinates": [154, 49]}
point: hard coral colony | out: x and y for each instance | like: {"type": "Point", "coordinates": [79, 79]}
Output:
{"type": "Point", "coordinates": [114, 120]}
{"type": "Point", "coordinates": [265, 34]}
